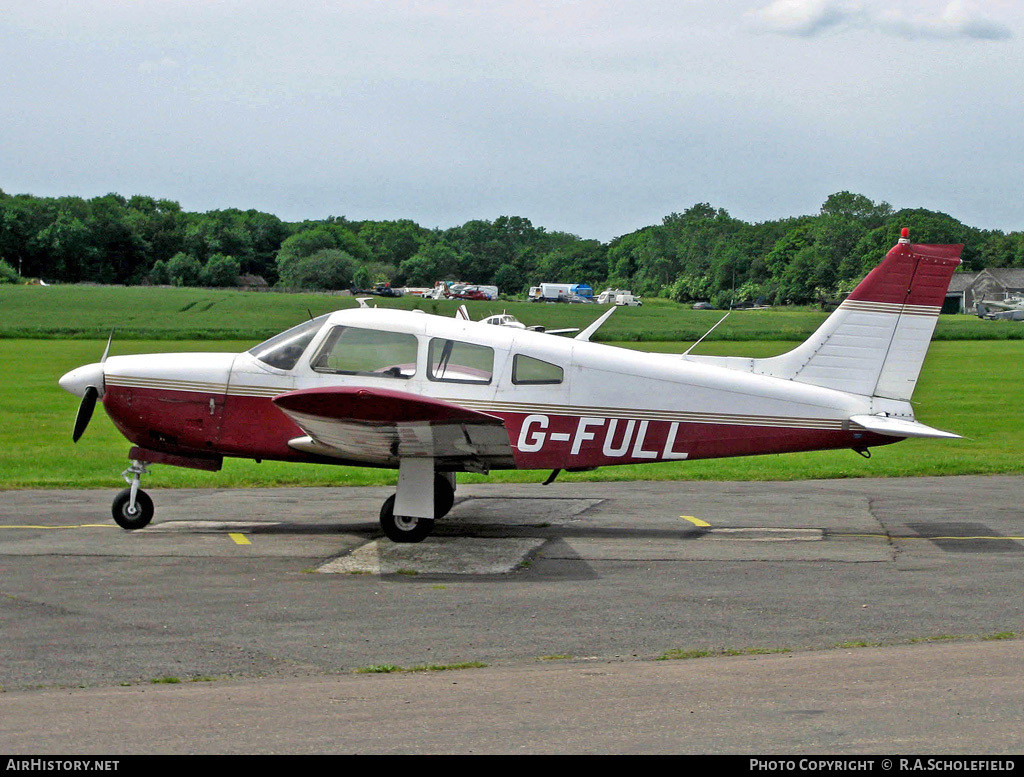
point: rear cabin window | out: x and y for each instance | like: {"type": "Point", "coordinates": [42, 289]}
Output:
{"type": "Point", "coordinates": [533, 372]}
{"type": "Point", "coordinates": [453, 361]}
{"type": "Point", "coordinates": [349, 350]}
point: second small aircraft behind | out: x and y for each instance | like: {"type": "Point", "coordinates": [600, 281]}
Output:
{"type": "Point", "coordinates": [1010, 309]}
{"type": "Point", "coordinates": [433, 396]}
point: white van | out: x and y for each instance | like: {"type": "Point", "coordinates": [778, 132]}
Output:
{"type": "Point", "coordinates": [628, 300]}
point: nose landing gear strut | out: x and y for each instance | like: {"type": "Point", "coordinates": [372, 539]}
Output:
{"type": "Point", "coordinates": [132, 508]}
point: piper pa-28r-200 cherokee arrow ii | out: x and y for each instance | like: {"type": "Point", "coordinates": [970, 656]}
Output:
{"type": "Point", "coordinates": [433, 396]}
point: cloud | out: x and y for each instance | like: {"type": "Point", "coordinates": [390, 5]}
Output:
{"type": "Point", "coordinates": [805, 18]}
{"type": "Point", "coordinates": [808, 18]}
{"type": "Point", "coordinates": [152, 66]}
{"type": "Point", "coordinates": [957, 20]}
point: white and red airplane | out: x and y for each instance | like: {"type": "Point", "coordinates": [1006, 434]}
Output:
{"type": "Point", "coordinates": [434, 396]}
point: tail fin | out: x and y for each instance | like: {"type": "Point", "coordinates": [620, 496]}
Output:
{"type": "Point", "coordinates": [875, 342]}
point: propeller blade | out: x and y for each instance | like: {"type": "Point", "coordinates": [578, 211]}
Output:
{"type": "Point", "coordinates": [85, 412]}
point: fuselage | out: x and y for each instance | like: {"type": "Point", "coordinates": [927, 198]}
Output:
{"type": "Point", "coordinates": [565, 403]}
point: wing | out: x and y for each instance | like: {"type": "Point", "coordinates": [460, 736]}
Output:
{"type": "Point", "coordinates": [379, 427]}
{"type": "Point", "coordinates": [539, 328]}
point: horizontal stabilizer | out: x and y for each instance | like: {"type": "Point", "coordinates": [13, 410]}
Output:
{"type": "Point", "coordinates": [899, 427]}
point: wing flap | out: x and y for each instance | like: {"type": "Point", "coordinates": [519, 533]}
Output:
{"type": "Point", "coordinates": [378, 426]}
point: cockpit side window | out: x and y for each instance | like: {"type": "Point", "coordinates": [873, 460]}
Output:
{"type": "Point", "coordinates": [283, 351]}
{"type": "Point", "coordinates": [349, 350]}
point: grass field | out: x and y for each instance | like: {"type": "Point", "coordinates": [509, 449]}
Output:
{"type": "Point", "coordinates": [210, 314]}
{"type": "Point", "coordinates": [972, 388]}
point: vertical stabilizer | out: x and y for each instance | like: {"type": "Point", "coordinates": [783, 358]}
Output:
{"type": "Point", "coordinates": [927, 270]}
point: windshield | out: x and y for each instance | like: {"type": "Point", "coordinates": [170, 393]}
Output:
{"type": "Point", "coordinates": [283, 351]}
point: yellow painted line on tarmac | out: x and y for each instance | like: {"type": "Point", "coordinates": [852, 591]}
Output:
{"type": "Point", "coordinates": [240, 539]}
{"type": "Point", "coordinates": [77, 526]}
{"type": "Point", "coordinates": [695, 521]}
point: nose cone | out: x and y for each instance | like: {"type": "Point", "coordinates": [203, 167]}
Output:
{"type": "Point", "coordinates": [78, 380]}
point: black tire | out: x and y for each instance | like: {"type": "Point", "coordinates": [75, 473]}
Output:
{"type": "Point", "coordinates": [143, 510]}
{"type": "Point", "coordinates": [400, 528]}
{"type": "Point", "coordinates": [444, 496]}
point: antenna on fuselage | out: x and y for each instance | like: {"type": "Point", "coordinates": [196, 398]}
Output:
{"type": "Point", "coordinates": [586, 334]}
{"type": "Point", "coordinates": [712, 329]}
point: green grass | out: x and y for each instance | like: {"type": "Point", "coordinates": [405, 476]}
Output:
{"type": "Point", "coordinates": [160, 313]}
{"type": "Point", "coordinates": [36, 417]}
{"type": "Point", "coordinates": [681, 654]}
{"type": "Point", "coordinates": [391, 668]}
{"type": "Point", "coordinates": [972, 388]}
{"type": "Point", "coordinates": [677, 654]}
{"type": "Point", "coordinates": [1001, 636]}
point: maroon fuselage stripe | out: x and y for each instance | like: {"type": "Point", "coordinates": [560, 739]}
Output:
{"type": "Point", "coordinates": [181, 422]}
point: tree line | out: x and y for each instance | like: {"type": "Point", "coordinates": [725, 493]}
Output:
{"type": "Point", "coordinates": [702, 253]}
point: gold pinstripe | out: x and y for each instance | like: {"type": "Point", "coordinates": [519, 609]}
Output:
{"type": "Point", "coordinates": [732, 419]}
{"type": "Point", "coordinates": [169, 384]}
{"type": "Point", "coordinates": [493, 406]}
{"type": "Point", "coordinates": [865, 306]}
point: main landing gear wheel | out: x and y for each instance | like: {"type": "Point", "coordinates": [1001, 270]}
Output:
{"type": "Point", "coordinates": [400, 528]}
{"type": "Point", "coordinates": [444, 496]}
{"type": "Point", "coordinates": [130, 519]}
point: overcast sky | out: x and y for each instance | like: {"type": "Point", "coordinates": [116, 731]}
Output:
{"type": "Point", "coordinates": [590, 116]}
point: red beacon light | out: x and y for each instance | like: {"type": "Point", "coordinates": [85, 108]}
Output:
{"type": "Point", "coordinates": [905, 236]}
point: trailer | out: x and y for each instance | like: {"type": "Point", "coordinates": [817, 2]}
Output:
{"type": "Point", "coordinates": [561, 292]}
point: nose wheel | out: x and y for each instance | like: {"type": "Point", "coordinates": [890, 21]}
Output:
{"type": "Point", "coordinates": [132, 517]}
{"type": "Point", "coordinates": [132, 508]}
